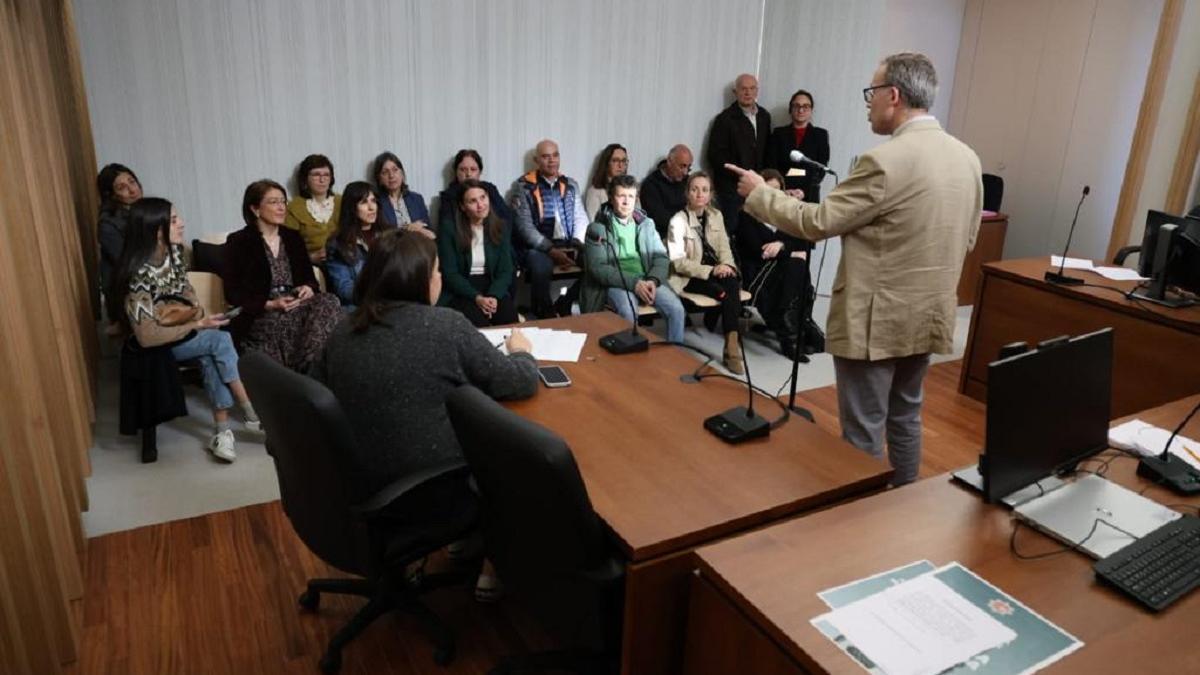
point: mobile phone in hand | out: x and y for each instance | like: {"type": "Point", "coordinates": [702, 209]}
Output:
{"type": "Point", "coordinates": [232, 312]}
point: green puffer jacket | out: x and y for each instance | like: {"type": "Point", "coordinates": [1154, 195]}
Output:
{"type": "Point", "coordinates": [600, 262]}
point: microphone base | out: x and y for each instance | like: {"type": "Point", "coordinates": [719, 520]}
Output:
{"type": "Point", "coordinates": [624, 342]}
{"type": "Point", "coordinates": [1062, 279]}
{"type": "Point", "coordinates": [737, 424]}
{"type": "Point", "coordinates": [1172, 472]}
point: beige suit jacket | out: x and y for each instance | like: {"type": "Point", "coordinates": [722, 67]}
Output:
{"type": "Point", "coordinates": [907, 215]}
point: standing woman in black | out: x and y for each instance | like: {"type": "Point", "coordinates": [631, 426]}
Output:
{"type": "Point", "coordinates": [800, 135]}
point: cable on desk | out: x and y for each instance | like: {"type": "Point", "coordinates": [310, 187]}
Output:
{"type": "Point", "coordinates": [1012, 541]}
{"type": "Point", "coordinates": [709, 358]}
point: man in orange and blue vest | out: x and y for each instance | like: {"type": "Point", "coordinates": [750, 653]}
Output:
{"type": "Point", "coordinates": [550, 225]}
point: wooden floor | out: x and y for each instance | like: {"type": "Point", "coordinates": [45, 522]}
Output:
{"type": "Point", "coordinates": [217, 593]}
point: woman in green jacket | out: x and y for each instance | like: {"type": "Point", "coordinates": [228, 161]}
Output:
{"type": "Point", "coordinates": [475, 250]}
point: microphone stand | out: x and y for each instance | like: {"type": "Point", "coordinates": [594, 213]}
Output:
{"type": "Point", "coordinates": [1058, 277]}
{"type": "Point", "coordinates": [622, 342]}
{"type": "Point", "coordinates": [739, 423]}
{"type": "Point", "coordinates": [803, 309]}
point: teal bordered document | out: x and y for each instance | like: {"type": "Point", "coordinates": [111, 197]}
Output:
{"type": "Point", "coordinates": [1039, 643]}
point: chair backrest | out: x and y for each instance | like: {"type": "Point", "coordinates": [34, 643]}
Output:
{"type": "Point", "coordinates": [208, 257]}
{"type": "Point", "coordinates": [210, 291]}
{"type": "Point", "coordinates": [319, 273]}
{"type": "Point", "coordinates": [538, 521]}
{"type": "Point", "coordinates": [993, 192]}
{"type": "Point", "coordinates": [309, 438]}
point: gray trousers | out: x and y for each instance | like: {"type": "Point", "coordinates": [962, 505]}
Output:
{"type": "Point", "coordinates": [874, 396]}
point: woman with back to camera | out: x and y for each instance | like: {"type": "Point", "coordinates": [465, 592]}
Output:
{"type": "Point", "coordinates": [476, 260]}
{"type": "Point", "coordinates": [161, 308]}
{"type": "Point", "coordinates": [268, 274]}
{"type": "Point", "coordinates": [468, 165]}
{"type": "Point", "coordinates": [812, 141]}
{"type": "Point", "coordinates": [359, 225]}
{"type": "Point", "coordinates": [314, 212]}
{"type": "Point", "coordinates": [612, 162]}
{"type": "Point", "coordinates": [392, 364]}
{"type": "Point", "coordinates": [119, 188]}
{"type": "Point", "coordinates": [399, 205]}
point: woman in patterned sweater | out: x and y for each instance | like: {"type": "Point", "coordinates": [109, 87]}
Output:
{"type": "Point", "coordinates": [161, 308]}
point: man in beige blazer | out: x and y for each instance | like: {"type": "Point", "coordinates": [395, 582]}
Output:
{"type": "Point", "coordinates": [907, 214]}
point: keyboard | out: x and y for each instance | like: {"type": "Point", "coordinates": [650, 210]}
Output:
{"type": "Point", "coordinates": [1159, 568]}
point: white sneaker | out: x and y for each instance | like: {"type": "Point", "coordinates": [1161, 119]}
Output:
{"type": "Point", "coordinates": [252, 425]}
{"type": "Point", "coordinates": [221, 446]}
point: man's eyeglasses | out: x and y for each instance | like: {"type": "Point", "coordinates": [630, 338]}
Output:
{"type": "Point", "coordinates": [869, 92]}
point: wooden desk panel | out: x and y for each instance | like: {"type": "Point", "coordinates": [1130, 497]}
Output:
{"type": "Point", "coordinates": [989, 247]}
{"type": "Point", "coordinates": [663, 485]}
{"type": "Point", "coordinates": [769, 579]}
{"type": "Point", "coordinates": [1156, 350]}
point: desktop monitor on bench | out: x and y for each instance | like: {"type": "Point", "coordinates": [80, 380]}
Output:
{"type": "Point", "coordinates": [1169, 257]}
{"type": "Point", "coordinates": [1047, 409]}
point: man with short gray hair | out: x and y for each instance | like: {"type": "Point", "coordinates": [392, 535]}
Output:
{"type": "Point", "coordinates": [907, 215]}
{"type": "Point", "coordinates": [662, 193]}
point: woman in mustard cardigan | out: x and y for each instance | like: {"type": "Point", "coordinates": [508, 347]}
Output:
{"type": "Point", "coordinates": [314, 212]}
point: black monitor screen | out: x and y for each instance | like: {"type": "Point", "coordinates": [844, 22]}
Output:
{"type": "Point", "coordinates": [1154, 220]}
{"type": "Point", "coordinates": [1046, 410]}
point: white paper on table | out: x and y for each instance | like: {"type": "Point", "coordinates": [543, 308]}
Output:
{"type": "Point", "coordinates": [1072, 263]}
{"type": "Point", "coordinates": [1118, 273]}
{"type": "Point", "coordinates": [1149, 440]}
{"type": "Point", "coordinates": [547, 344]}
{"type": "Point", "coordinates": [1124, 436]}
{"type": "Point", "coordinates": [918, 627]}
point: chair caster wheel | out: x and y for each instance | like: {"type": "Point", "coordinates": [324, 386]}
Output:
{"type": "Point", "coordinates": [310, 600]}
{"type": "Point", "coordinates": [331, 663]}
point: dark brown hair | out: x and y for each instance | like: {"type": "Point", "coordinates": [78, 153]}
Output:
{"type": "Point", "coordinates": [389, 156]}
{"type": "Point", "coordinates": [492, 225]}
{"type": "Point", "coordinates": [625, 181]}
{"type": "Point", "coordinates": [104, 184]}
{"type": "Point", "coordinates": [463, 154]}
{"type": "Point", "coordinates": [398, 269]}
{"type": "Point", "coordinates": [255, 192]}
{"type": "Point", "coordinates": [306, 167]}
{"type": "Point", "coordinates": [600, 171]}
{"type": "Point", "coordinates": [768, 174]}
{"type": "Point", "coordinates": [349, 225]}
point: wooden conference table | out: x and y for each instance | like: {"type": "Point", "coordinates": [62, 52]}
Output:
{"type": "Point", "coordinates": [663, 485]}
{"type": "Point", "coordinates": [755, 594]}
{"type": "Point", "coordinates": [1156, 350]}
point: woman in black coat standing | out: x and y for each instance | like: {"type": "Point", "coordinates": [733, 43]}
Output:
{"type": "Point", "coordinates": [800, 135]}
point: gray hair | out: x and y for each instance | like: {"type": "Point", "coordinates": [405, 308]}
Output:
{"type": "Point", "coordinates": [913, 75]}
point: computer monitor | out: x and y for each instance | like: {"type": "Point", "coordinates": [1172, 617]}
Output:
{"type": "Point", "coordinates": [1170, 258]}
{"type": "Point", "coordinates": [1047, 409]}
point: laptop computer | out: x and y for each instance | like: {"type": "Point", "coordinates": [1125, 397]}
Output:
{"type": "Point", "coordinates": [1102, 515]}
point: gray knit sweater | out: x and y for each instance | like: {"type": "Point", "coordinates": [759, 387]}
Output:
{"type": "Point", "coordinates": [392, 382]}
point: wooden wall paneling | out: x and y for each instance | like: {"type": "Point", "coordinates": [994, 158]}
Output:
{"type": "Point", "coordinates": [1187, 157]}
{"type": "Point", "coordinates": [1143, 133]}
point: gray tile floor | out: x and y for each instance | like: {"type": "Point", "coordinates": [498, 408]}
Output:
{"type": "Point", "coordinates": [186, 481]}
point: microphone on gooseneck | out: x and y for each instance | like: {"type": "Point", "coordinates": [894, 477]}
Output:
{"type": "Point", "coordinates": [739, 423]}
{"type": "Point", "coordinates": [799, 158]}
{"type": "Point", "coordinates": [623, 342]}
{"type": "Point", "coordinates": [1058, 277]}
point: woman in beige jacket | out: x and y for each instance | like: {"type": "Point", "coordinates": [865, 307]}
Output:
{"type": "Point", "coordinates": [702, 262]}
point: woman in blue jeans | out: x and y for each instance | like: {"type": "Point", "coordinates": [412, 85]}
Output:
{"type": "Point", "coordinates": [358, 226]}
{"type": "Point", "coordinates": [161, 308]}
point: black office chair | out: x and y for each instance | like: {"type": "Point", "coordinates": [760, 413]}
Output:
{"type": "Point", "coordinates": [208, 257]}
{"type": "Point", "coordinates": [542, 535]}
{"type": "Point", "coordinates": [311, 442]}
{"type": "Point", "coordinates": [151, 393]}
{"type": "Point", "coordinates": [993, 192]}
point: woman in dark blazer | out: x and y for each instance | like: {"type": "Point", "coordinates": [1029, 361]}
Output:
{"type": "Point", "coordinates": [800, 135]}
{"type": "Point", "coordinates": [479, 288]}
{"type": "Point", "coordinates": [269, 276]}
{"type": "Point", "coordinates": [399, 205]}
{"type": "Point", "coordinates": [468, 165]}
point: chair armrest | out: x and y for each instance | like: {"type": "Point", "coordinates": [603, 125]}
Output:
{"type": "Point", "coordinates": [1124, 252]}
{"type": "Point", "coordinates": [403, 485]}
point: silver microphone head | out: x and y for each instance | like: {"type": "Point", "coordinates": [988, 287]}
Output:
{"type": "Point", "coordinates": [796, 156]}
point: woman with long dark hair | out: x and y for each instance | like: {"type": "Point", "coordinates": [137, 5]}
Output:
{"type": "Point", "coordinates": [268, 274]}
{"type": "Point", "coordinates": [161, 309]}
{"type": "Point", "coordinates": [119, 188]}
{"type": "Point", "coordinates": [612, 162]}
{"type": "Point", "coordinates": [394, 362]}
{"type": "Point", "coordinates": [476, 259]}
{"type": "Point", "coordinates": [358, 226]}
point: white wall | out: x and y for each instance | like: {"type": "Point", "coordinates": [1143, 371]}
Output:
{"type": "Point", "coordinates": [200, 98]}
{"type": "Point", "coordinates": [1172, 117]}
{"type": "Point", "coordinates": [1048, 95]}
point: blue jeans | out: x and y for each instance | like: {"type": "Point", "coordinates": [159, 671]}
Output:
{"type": "Point", "coordinates": [213, 350]}
{"type": "Point", "coordinates": [665, 301]}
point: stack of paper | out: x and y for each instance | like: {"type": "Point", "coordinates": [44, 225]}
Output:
{"type": "Point", "coordinates": [917, 619]}
{"type": "Point", "coordinates": [1149, 440]}
{"type": "Point", "coordinates": [1114, 273]}
{"type": "Point", "coordinates": [548, 344]}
